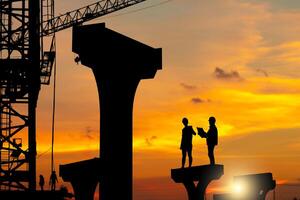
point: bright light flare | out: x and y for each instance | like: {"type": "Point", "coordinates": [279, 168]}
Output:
{"type": "Point", "coordinates": [239, 188]}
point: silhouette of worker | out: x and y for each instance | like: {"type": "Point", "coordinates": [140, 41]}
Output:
{"type": "Point", "coordinates": [211, 138]}
{"type": "Point", "coordinates": [53, 180]}
{"type": "Point", "coordinates": [186, 142]}
{"type": "Point", "coordinates": [42, 182]}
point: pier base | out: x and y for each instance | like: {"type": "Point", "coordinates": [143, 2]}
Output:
{"type": "Point", "coordinates": [84, 177]}
{"type": "Point", "coordinates": [202, 174]}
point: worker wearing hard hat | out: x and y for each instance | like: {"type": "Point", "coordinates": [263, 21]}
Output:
{"type": "Point", "coordinates": [211, 138]}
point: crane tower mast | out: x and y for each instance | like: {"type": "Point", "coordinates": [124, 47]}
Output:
{"type": "Point", "coordinates": [24, 66]}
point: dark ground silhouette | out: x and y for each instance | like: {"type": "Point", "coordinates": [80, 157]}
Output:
{"type": "Point", "coordinates": [53, 180]}
{"type": "Point", "coordinates": [42, 182]}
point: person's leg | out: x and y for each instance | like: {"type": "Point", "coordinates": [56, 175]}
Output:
{"type": "Point", "coordinates": [211, 154]}
{"type": "Point", "coordinates": [183, 157]}
{"type": "Point", "coordinates": [190, 157]}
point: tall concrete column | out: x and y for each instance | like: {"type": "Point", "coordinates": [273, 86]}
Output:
{"type": "Point", "coordinates": [118, 63]}
{"type": "Point", "coordinates": [116, 103]}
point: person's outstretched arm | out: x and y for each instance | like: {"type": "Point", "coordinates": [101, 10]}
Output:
{"type": "Point", "coordinates": [193, 132]}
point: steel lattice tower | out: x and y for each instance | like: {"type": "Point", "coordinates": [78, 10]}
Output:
{"type": "Point", "coordinates": [23, 65]}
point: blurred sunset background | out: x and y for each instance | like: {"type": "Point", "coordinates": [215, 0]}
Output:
{"type": "Point", "coordinates": [237, 60]}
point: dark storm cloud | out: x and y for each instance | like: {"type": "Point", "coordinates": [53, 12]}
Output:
{"type": "Point", "coordinates": [197, 100]}
{"type": "Point", "coordinates": [265, 73]}
{"type": "Point", "coordinates": [220, 73]}
{"type": "Point", "coordinates": [187, 86]}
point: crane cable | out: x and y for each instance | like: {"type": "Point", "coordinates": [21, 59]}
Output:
{"type": "Point", "coordinates": [138, 10]}
{"type": "Point", "coordinates": [53, 113]}
{"type": "Point", "coordinates": [52, 11]}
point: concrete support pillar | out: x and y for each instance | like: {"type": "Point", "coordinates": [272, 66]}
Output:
{"type": "Point", "coordinates": [118, 63]}
{"type": "Point", "coordinates": [116, 103]}
{"type": "Point", "coordinates": [196, 192]}
{"type": "Point", "coordinates": [84, 189]}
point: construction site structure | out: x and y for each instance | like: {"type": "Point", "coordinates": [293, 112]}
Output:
{"type": "Point", "coordinates": [27, 28]}
{"type": "Point", "coordinates": [118, 63]}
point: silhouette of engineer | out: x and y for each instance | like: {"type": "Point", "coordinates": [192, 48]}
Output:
{"type": "Point", "coordinates": [211, 138]}
{"type": "Point", "coordinates": [53, 180]}
{"type": "Point", "coordinates": [186, 142]}
{"type": "Point", "coordinates": [42, 182]}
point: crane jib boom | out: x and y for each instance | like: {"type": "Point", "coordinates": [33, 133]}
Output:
{"type": "Point", "coordinates": [84, 14]}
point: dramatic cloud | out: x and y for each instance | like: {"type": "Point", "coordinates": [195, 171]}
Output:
{"type": "Point", "coordinates": [149, 141]}
{"type": "Point", "coordinates": [265, 73]}
{"type": "Point", "coordinates": [187, 86]}
{"type": "Point", "coordinates": [222, 74]}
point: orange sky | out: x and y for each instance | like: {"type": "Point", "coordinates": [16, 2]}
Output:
{"type": "Point", "coordinates": [235, 59]}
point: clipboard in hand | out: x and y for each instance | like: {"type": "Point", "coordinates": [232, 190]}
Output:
{"type": "Point", "coordinates": [201, 132]}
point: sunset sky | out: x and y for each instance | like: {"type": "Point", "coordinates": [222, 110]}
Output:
{"type": "Point", "coordinates": [238, 60]}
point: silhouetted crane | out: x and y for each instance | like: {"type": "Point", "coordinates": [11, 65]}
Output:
{"type": "Point", "coordinates": [26, 28]}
